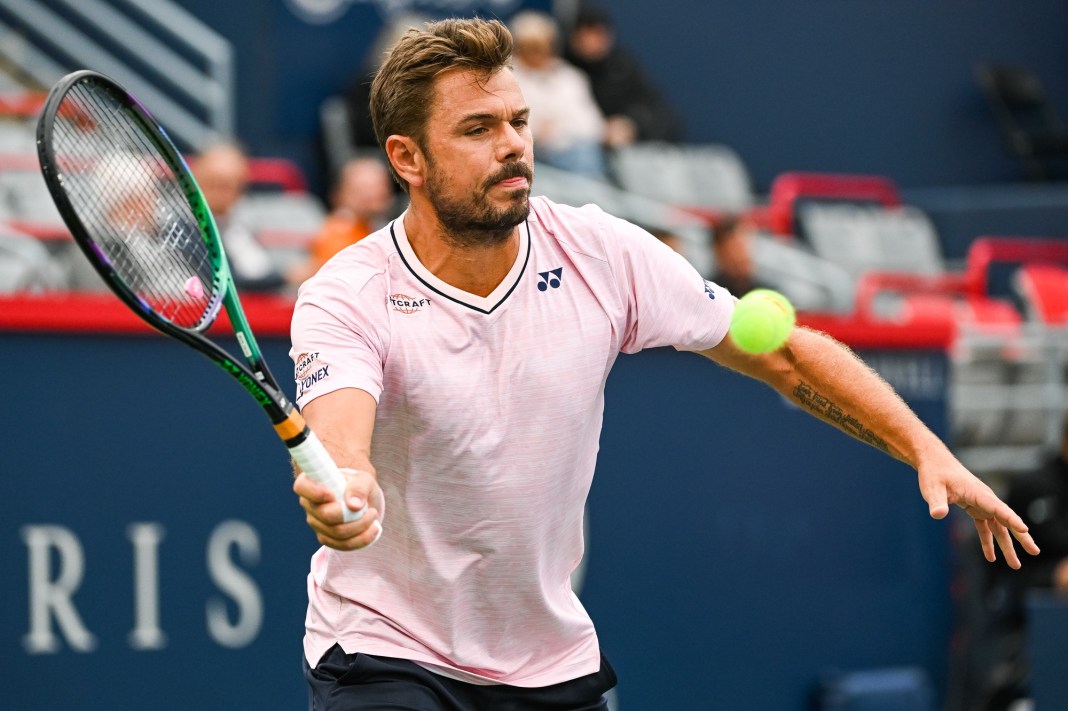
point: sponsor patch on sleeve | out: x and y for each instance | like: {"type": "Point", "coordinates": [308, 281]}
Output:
{"type": "Point", "coordinates": [309, 370]}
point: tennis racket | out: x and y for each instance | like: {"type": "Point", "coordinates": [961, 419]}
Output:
{"type": "Point", "coordinates": [132, 205]}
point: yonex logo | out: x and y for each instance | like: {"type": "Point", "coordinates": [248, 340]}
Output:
{"type": "Point", "coordinates": [708, 290]}
{"type": "Point", "coordinates": [311, 379]}
{"type": "Point", "coordinates": [550, 278]}
{"type": "Point", "coordinates": [407, 304]}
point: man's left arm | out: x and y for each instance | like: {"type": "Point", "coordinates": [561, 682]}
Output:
{"type": "Point", "coordinates": [828, 380]}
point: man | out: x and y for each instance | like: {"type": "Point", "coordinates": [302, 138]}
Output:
{"type": "Point", "coordinates": [222, 171]}
{"type": "Point", "coordinates": [361, 200]}
{"type": "Point", "coordinates": [732, 244]}
{"type": "Point", "coordinates": [634, 107]}
{"type": "Point", "coordinates": [1000, 623]}
{"type": "Point", "coordinates": [472, 338]}
{"type": "Point", "coordinates": [564, 113]}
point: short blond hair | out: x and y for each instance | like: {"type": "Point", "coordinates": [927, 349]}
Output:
{"type": "Point", "coordinates": [402, 92]}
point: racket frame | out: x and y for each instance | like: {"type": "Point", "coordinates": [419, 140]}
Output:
{"type": "Point", "coordinates": [255, 377]}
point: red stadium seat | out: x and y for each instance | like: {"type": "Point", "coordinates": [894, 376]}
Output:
{"type": "Point", "coordinates": [277, 173]}
{"type": "Point", "coordinates": [788, 189]}
{"type": "Point", "coordinates": [1045, 288]}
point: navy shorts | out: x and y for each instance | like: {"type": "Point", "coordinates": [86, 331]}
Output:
{"type": "Point", "coordinates": [364, 682]}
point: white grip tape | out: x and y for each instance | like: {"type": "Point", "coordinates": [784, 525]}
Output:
{"type": "Point", "coordinates": [317, 463]}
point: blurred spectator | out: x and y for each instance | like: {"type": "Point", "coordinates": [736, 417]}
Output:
{"type": "Point", "coordinates": [732, 252]}
{"type": "Point", "coordinates": [671, 239]}
{"type": "Point", "coordinates": [222, 170]}
{"type": "Point", "coordinates": [362, 202]}
{"type": "Point", "coordinates": [1041, 497]}
{"type": "Point", "coordinates": [634, 107]}
{"type": "Point", "coordinates": [127, 222]}
{"type": "Point", "coordinates": [568, 128]}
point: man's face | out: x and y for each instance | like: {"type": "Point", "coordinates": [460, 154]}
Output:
{"type": "Point", "coordinates": [480, 156]}
{"type": "Point", "coordinates": [365, 190]}
{"type": "Point", "coordinates": [223, 176]}
{"type": "Point", "coordinates": [591, 42]}
{"type": "Point", "coordinates": [734, 254]}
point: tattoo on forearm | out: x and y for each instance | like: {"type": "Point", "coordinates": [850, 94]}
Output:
{"type": "Point", "coordinates": [831, 412]}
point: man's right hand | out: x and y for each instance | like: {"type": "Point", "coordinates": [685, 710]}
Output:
{"type": "Point", "coordinates": [324, 514]}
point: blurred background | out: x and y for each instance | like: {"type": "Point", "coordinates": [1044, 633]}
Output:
{"type": "Point", "coordinates": [898, 168]}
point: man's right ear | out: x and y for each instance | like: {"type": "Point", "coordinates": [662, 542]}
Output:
{"type": "Point", "coordinates": [407, 159]}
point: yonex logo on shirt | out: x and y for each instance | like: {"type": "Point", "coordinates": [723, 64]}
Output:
{"type": "Point", "coordinates": [708, 290]}
{"type": "Point", "coordinates": [310, 370]}
{"type": "Point", "coordinates": [550, 278]}
{"type": "Point", "coordinates": [407, 304]}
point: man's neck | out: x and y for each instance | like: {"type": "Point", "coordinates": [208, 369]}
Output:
{"type": "Point", "coordinates": [477, 270]}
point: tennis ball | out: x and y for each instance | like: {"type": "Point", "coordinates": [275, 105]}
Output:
{"type": "Point", "coordinates": [762, 321]}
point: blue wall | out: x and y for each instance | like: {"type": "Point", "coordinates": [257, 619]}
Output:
{"type": "Point", "coordinates": [738, 549]}
{"type": "Point", "coordinates": [877, 86]}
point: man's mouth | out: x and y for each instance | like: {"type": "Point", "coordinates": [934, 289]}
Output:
{"type": "Point", "coordinates": [517, 175]}
{"type": "Point", "coordinates": [516, 182]}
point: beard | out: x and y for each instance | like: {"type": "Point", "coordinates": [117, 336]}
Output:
{"type": "Point", "coordinates": [472, 220]}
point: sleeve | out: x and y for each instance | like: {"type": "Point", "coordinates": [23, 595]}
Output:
{"type": "Point", "coordinates": [337, 339]}
{"type": "Point", "coordinates": [668, 303]}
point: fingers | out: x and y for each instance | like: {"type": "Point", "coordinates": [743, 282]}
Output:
{"type": "Point", "coordinates": [995, 508]}
{"type": "Point", "coordinates": [1004, 539]}
{"type": "Point", "coordinates": [1006, 528]}
{"type": "Point", "coordinates": [1016, 528]}
{"type": "Point", "coordinates": [1026, 542]}
{"type": "Point", "coordinates": [325, 515]}
{"type": "Point", "coordinates": [991, 530]}
{"type": "Point", "coordinates": [320, 497]}
{"type": "Point", "coordinates": [1006, 524]}
{"type": "Point", "coordinates": [986, 538]}
{"type": "Point", "coordinates": [348, 536]}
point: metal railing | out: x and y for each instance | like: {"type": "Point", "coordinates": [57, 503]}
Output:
{"type": "Point", "coordinates": [146, 45]}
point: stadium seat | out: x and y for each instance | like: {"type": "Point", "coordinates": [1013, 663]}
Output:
{"type": "Point", "coordinates": [809, 281]}
{"type": "Point", "coordinates": [709, 178]}
{"type": "Point", "coordinates": [1044, 288]}
{"type": "Point", "coordinates": [890, 250]}
{"type": "Point", "coordinates": [267, 174]}
{"type": "Point", "coordinates": [790, 189]}
{"type": "Point", "coordinates": [24, 197]}
{"type": "Point", "coordinates": [298, 212]}
{"type": "Point", "coordinates": [862, 238]}
{"type": "Point", "coordinates": [17, 135]}
{"type": "Point", "coordinates": [573, 189]}
{"type": "Point", "coordinates": [278, 207]}
{"type": "Point", "coordinates": [26, 265]}
{"type": "Point", "coordinates": [1008, 386]}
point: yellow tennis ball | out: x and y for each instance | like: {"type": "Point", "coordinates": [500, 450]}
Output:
{"type": "Point", "coordinates": [762, 321]}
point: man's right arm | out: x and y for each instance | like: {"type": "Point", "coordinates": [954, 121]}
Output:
{"type": "Point", "coordinates": [344, 421]}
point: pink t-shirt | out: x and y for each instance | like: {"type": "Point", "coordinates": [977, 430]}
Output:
{"type": "Point", "coordinates": [486, 435]}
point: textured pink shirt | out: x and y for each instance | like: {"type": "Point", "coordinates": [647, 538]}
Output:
{"type": "Point", "coordinates": [486, 435]}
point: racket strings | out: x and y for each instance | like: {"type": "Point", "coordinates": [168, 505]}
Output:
{"type": "Point", "coordinates": [133, 206]}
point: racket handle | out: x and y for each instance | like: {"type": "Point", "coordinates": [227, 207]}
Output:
{"type": "Point", "coordinates": [317, 463]}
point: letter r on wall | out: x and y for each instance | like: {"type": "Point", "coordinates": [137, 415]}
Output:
{"type": "Point", "coordinates": [51, 598]}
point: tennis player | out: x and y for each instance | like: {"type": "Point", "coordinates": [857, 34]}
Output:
{"type": "Point", "coordinates": [471, 338]}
